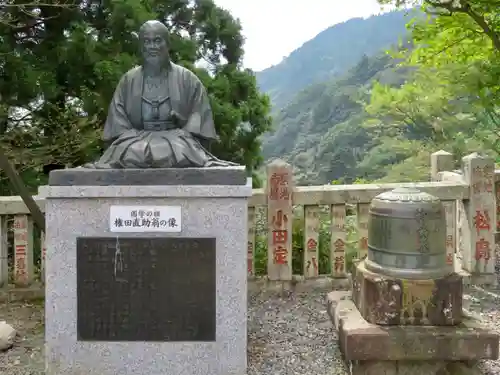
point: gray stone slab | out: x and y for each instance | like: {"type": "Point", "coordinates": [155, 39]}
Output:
{"type": "Point", "coordinates": [160, 176]}
{"type": "Point", "coordinates": [166, 191]}
{"type": "Point", "coordinates": [360, 340]}
{"type": "Point", "coordinates": [222, 217]}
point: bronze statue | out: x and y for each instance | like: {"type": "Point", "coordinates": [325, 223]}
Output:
{"type": "Point", "coordinates": [160, 113]}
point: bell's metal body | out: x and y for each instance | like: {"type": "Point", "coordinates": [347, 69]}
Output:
{"type": "Point", "coordinates": [407, 235]}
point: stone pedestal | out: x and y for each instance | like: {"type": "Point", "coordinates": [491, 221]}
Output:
{"type": "Point", "coordinates": [409, 350]}
{"type": "Point", "coordinates": [405, 316]}
{"type": "Point", "coordinates": [162, 291]}
{"type": "Point", "coordinates": [390, 301]}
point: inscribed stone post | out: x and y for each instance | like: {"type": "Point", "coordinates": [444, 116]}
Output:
{"type": "Point", "coordinates": [464, 253]}
{"type": "Point", "coordinates": [480, 213]}
{"type": "Point", "coordinates": [338, 241]}
{"type": "Point", "coordinates": [442, 161]}
{"type": "Point", "coordinates": [456, 223]}
{"type": "Point", "coordinates": [280, 219]}
{"type": "Point", "coordinates": [497, 241]}
{"type": "Point", "coordinates": [4, 252]}
{"type": "Point", "coordinates": [450, 209]}
{"type": "Point", "coordinates": [497, 196]}
{"type": "Point", "coordinates": [251, 242]}
{"type": "Point", "coordinates": [311, 241]}
{"type": "Point", "coordinates": [23, 250]}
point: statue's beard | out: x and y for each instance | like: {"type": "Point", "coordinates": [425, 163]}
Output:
{"type": "Point", "coordinates": [155, 63]}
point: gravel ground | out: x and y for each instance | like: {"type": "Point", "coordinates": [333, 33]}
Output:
{"type": "Point", "coordinates": [289, 334]}
{"type": "Point", "coordinates": [485, 302]}
{"type": "Point", "coordinates": [292, 334]}
{"type": "Point", "coordinates": [26, 357]}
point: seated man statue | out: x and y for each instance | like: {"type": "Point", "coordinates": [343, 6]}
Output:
{"type": "Point", "coordinates": [159, 113]}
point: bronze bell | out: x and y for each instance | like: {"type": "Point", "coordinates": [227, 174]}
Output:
{"type": "Point", "coordinates": [407, 235]}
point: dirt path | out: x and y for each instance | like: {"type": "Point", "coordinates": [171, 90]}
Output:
{"type": "Point", "coordinates": [26, 357]}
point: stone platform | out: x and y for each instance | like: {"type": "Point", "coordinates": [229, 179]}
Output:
{"type": "Point", "coordinates": [409, 350]}
{"type": "Point", "coordinates": [149, 177]}
{"type": "Point", "coordinates": [394, 301]}
{"type": "Point", "coordinates": [114, 277]}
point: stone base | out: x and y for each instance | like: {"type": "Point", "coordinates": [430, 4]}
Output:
{"type": "Point", "coordinates": [14, 294]}
{"type": "Point", "coordinates": [390, 301]}
{"type": "Point", "coordinates": [362, 341]}
{"type": "Point", "coordinates": [208, 211]}
{"type": "Point", "coordinates": [152, 176]}
{"type": "Point", "coordinates": [412, 368]}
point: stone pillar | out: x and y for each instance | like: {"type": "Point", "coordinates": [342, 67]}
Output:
{"type": "Point", "coordinates": [441, 161]}
{"type": "Point", "coordinates": [338, 259]}
{"type": "Point", "coordinates": [497, 234]}
{"type": "Point", "coordinates": [311, 241]}
{"type": "Point", "coordinates": [251, 242]}
{"type": "Point", "coordinates": [4, 252]}
{"type": "Point", "coordinates": [279, 191]}
{"type": "Point", "coordinates": [480, 214]}
{"type": "Point", "coordinates": [148, 264]}
{"type": "Point", "coordinates": [24, 266]}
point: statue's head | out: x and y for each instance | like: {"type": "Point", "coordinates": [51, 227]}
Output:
{"type": "Point", "coordinates": [153, 39]}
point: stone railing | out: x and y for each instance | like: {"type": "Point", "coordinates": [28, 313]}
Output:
{"type": "Point", "coordinates": [310, 231]}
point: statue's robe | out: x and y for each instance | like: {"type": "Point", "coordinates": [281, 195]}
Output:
{"type": "Point", "coordinates": [186, 119]}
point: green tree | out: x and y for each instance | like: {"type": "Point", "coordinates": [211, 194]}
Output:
{"type": "Point", "coordinates": [483, 13]}
{"type": "Point", "coordinates": [451, 100]}
{"type": "Point", "coordinates": [462, 37]}
{"type": "Point", "coordinates": [59, 75]}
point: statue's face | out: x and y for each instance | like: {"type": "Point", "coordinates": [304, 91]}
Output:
{"type": "Point", "coordinates": [154, 46]}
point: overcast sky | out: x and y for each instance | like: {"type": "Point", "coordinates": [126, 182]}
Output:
{"type": "Point", "coordinates": [275, 28]}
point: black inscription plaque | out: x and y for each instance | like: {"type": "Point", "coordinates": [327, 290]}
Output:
{"type": "Point", "coordinates": [146, 289]}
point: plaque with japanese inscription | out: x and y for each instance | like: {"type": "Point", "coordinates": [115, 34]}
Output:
{"type": "Point", "coordinates": [146, 289]}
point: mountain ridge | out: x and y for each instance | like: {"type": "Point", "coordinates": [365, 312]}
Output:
{"type": "Point", "coordinates": [319, 128]}
{"type": "Point", "coordinates": [331, 53]}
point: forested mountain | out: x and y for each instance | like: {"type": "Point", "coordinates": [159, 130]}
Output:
{"type": "Point", "coordinates": [381, 119]}
{"type": "Point", "coordinates": [317, 123]}
{"type": "Point", "coordinates": [320, 130]}
{"type": "Point", "coordinates": [331, 53]}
